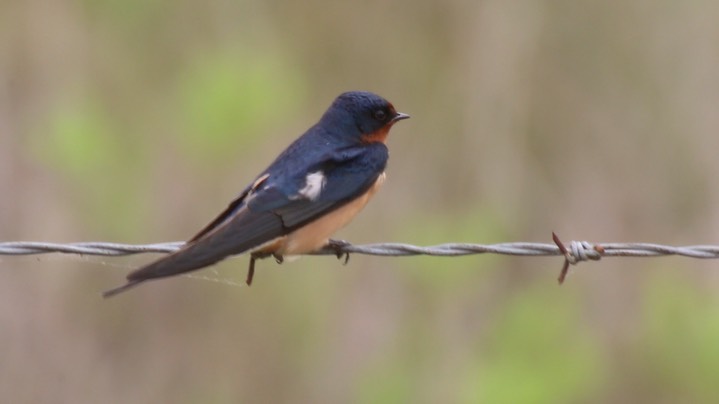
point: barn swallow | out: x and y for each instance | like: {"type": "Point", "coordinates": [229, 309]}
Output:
{"type": "Point", "coordinates": [311, 190]}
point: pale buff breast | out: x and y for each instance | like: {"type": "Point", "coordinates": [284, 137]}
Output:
{"type": "Point", "coordinates": [315, 235]}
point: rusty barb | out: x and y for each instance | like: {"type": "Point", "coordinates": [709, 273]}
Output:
{"type": "Point", "coordinates": [578, 251]}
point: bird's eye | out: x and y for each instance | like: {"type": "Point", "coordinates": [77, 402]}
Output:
{"type": "Point", "coordinates": [380, 115]}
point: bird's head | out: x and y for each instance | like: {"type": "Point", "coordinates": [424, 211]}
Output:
{"type": "Point", "coordinates": [362, 116]}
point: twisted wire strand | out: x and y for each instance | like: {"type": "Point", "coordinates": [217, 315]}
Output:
{"type": "Point", "coordinates": [576, 251]}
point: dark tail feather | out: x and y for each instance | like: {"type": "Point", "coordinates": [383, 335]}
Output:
{"type": "Point", "coordinates": [240, 234]}
{"type": "Point", "coordinates": [112, 292]}
{"type": "Point", "coordinates": [183, 261]}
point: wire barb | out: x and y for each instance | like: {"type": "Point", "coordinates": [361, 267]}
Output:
{"type": "Point", "coordinates": [573, 252]}
{"type": "Point", "coordinates": [578, 251]}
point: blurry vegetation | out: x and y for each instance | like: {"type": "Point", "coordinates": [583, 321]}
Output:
{"type": "Point", "coordinates": [81, 144]}
{"type": "Point", "coordinates": [226, 95]}
{"type": "Point", "coordinates": [533, 330]}
{"type": "Point", "coordinates": [677, 348]}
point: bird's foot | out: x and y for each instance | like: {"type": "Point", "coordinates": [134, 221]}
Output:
{"type": "Point", "coordinates": [278, 258]}
{"type": "Point", "coordinates": [258, 256]}
{"type": "Point", "coordinates": [251, 270]}
{"type": "Point", "coordinates": [338, 246]}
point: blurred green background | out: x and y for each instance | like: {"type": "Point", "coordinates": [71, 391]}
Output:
{"type": "Point", "coordinates": [137, 121]}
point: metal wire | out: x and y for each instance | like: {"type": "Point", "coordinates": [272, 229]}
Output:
{"type": "Point", "coordinates": [576, 250]}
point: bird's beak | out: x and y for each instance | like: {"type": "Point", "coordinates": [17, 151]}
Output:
{"type": "Point", "coordinates": [400, 116]}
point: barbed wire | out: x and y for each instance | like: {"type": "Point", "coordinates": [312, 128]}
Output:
{"type": "Point", "coordinates": [573, 252]}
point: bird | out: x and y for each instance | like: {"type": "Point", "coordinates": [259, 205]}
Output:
{"type": "Point", "coordinates": [312, 189]}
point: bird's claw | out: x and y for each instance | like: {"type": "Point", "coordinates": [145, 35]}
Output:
{"type": "Point", "coordinates": [338, 246]}
{"type": "Point", "coordinates": [258, 256]}
{"type": "Point", "coordinates": [278, 258]}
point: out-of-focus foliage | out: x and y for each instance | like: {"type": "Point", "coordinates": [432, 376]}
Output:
{"type": "Point", "coordinates": [229, 94]}
{"type": "Point", "coordinates": [678, 347]}
{"type": "Point", "coordinates": [137, 121]}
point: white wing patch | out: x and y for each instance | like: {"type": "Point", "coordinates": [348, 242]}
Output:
{"type": "Point", "coordinates": [314, 182]}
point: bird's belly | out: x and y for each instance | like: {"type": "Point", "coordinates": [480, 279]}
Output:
{"type": "Point", "coordinates": [315, 234]}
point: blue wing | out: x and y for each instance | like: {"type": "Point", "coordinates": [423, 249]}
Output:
{"type": "Point", "coordinates": [348, 174]}
{"type": "Point", "coordinates": [273, 207]}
